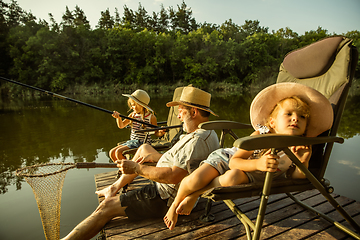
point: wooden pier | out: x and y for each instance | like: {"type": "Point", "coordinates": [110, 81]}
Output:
{"type": "Point", "coordinates": [284, 219]}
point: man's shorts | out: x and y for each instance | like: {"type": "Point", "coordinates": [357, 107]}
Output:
{"type": "Point", "coordinates": [219, 160]}
{"type": "Point", "coordinates": [132, 143]}
{"type": "Point", "coordinates": [144, 203]}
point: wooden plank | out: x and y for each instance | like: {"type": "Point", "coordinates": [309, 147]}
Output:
{"type": "Point", "coordinates": [284, 219]}
{"type": "Point", "coordinates": [294, 226]}
{"type": "Point", "coordinates": [325, 230]}
{"type": "Point", "coordinates": [276, 210]}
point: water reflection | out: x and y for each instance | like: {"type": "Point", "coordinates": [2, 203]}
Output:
{"type": "Point", "coordinates": [349, 126]}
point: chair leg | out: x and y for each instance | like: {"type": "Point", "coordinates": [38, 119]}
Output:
{"type": "Point", "coordinates": [261, 213]}
{"type": "Point", "coordinates": [323, 191]}
{"type": "Point", "coordinates": [262, 208]}
{"type": "Point", "coordinates": [207, 216]}
{"type": "Point", "coordinates": [333, 222]}
{"type": "Point", "coordinates": [245, 220]}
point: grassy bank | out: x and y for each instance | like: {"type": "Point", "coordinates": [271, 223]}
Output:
{"type": "Point", "coordinates": [110, 90]}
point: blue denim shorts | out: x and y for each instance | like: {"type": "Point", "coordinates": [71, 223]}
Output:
{"type": "Point", "coordinates": [219, 160]}
{"type": "Point", "coordinates": [132, 143]}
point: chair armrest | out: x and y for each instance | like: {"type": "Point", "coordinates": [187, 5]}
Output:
{"type": "Point", "coordinates": [280, 141]}
{"type": "Point", "coordinates": [223, 124]}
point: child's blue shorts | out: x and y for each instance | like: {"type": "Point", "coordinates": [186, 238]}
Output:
{"type": "Point", "coordinates": [132, 143]}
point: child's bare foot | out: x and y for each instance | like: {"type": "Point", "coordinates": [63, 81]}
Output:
{"type": "Point", "coordinates": [109, 191]}
{"type": "Point", "coordinates": [186, 205]}
{"type": "Point", "coordinates": [171, 217]}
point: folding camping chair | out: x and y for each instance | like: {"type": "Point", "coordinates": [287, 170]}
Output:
{"type": "Point", "coordinates": [172, 135]}
{"type": "Point", "coordinates": [328, 66]}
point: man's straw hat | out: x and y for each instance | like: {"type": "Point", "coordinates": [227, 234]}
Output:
{"type": "Point", "coordinates": [194, 97]}
{"type": "Point", "coordinates": [140, 97]}
{"type": "Point", "coordinates": [321, 113]}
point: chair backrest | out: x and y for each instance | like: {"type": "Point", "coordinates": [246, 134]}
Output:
{"type": "Point", "coordinates": [328, 66]}
{"type": "Point", "coordinates": [173, 119]}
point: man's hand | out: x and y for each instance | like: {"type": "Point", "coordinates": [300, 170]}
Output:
{"type": "Point", "coordinates": [128, 166]}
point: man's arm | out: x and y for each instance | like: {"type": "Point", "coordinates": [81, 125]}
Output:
{"type": "Point", "coordinates": [158, 174]}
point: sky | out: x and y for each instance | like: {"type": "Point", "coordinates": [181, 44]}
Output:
{"type": "Point", "coordinates": [336, 16]}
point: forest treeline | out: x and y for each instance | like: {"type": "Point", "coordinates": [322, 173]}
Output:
{"type": "Point", "coordinates": [165, 47]}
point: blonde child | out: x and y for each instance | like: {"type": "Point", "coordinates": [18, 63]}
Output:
{"type": "Point", "coordinates": [138, 103]}
{"type": "Point", "coordinates": [284, 108]}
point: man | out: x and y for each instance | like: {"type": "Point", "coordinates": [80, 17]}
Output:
{"type": "Point", "coordinates": [154, 199]}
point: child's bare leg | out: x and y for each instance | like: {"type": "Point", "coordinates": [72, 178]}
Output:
{"type": "Point", "coordinates": [119, 151]}
{"type": "Point", "coordinates": [229, 178]}
{"type": "Point", "coordinates": [112, 153]}
{"type": "Point", "coordinates": [195, 181]}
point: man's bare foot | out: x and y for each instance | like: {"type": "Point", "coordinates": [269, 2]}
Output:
{"type": "Point", "coordinates": [109, 191]}
{"type": "Point", "coordinates": [171, 217]}
{"type": "Point", "coordinates": [186, 205]}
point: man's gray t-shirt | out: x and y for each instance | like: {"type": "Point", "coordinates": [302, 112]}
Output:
{"type": "Point", "coordinates": [189, 151]}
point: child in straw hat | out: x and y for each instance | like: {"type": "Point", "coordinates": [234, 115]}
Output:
{"type": "Point", "coordinates": [138, 103]}
{"type": "Point", "coordinates": [284, 108]}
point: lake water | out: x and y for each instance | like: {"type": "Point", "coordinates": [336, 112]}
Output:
{"type": "Point", "coordinates": [43, 129]}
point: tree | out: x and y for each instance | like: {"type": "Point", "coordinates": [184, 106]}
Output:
{"type": "Point", "coordinates": [209, 27]}
{"type": "Point", "coordinates": [129, 17]}
{"type": "Point", "coordinates": [75, 18]}
{"type": "Point", "coordinates": [355, 36]}
{"type": "Point", "coordinates": [106, 21]}
{"type": "Point", "coordinates": [250, 27]}
{"type": "Point", "coordinates": [68, 18]}
{"type": "Point", "coordinates": [80, 18]}
{"type": "Point", "coordinates": [15, 14]}
{"type": "Point", "coordinates": [230, 30]}
{"type": "Point", "coordinates": [54, 24]}
{"type": "Point", "coordinates": [182, 20]}
{"type": "Point", "coordinates": [5, 60]}
{"type": "Point", "coordinates": [312, 36]}
{"type": "Point", "coordinates": [117, 17]}
{"type": "Point", "coordinates": [289, 40]}
{"type": "Point", "coordinates": [141, 18]}
{"type": "Point", "coordinates": [163, 21]}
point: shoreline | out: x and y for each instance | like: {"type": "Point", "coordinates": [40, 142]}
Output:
{"type": "Point", "coordinates": [9, 90]}
{"type": "Point", "coordinates": [219, 89]}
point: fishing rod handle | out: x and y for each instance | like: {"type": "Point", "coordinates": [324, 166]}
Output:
{"type": "Point", "coordinates": [95, 165]}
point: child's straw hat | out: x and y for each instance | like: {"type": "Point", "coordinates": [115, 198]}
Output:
{"type": "Point", "coordinates": [321, 113]}
{"type": "Point", "coordinates": [194, 97]}
{"type": "Point", "coordinates": [140, 97]}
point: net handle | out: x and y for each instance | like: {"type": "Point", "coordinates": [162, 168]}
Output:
{"type": "Point", "coordinates": [95, 165]}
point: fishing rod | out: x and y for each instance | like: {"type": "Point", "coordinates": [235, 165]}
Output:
{"type": "Point", "coordinates": [76, 101]}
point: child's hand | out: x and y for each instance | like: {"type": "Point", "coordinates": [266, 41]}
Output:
{"type": "Point", "coordinates": [303, 153]}
{"type": "Point", "coordinates": [116, 114]}
{"type": "Point", "coordinates": [267, 162]}
{"type": "Point", "coordinates": [162, 132]}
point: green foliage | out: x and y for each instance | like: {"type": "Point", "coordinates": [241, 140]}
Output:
{"type": "Point", "coordinates": [140, 48]}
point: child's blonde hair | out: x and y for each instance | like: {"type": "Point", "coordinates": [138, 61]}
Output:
{"type": "Point", "coordinates": [298, 103]}
{"type": "Point", "coordinates": [143, 111]}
